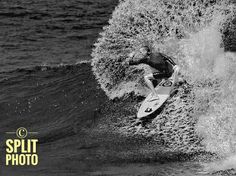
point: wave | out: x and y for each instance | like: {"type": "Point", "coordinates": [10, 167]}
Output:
{"type": "Point", "coordinates": [224, 166]}
{"type": "Point", "coordinates": [48, 67]}
{"type": "Point", "coordinates": [37, 70]}
{"type": "Point", "coordinates": [212, 72]}
{"type": "Point", "coordinates": [160, 24]}
{"type": "Point", "coordinates": [196, 34]}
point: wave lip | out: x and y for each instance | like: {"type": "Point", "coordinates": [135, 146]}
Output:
{"type": "Point", "coordinates": [161, 24]}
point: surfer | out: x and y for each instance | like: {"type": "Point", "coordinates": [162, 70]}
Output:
{"type": "Point", "coordinates": [163, 65]}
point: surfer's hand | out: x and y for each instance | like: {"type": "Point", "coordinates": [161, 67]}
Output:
{"type": "Point", "coordinates": [128, 60]}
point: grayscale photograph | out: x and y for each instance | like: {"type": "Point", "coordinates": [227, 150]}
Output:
{"type": "Point", "coordinates": [117, 87]}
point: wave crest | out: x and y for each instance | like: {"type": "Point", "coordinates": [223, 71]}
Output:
{"type": "Point", "coordinates": [191, 31]}
{"type": "Point", "coordinates": [161, 24]}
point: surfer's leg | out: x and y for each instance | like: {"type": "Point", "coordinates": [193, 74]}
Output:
{"type": "Point", "coordinates": [175, 74]}
{"type": "Point", "coordinates": [148, 79]}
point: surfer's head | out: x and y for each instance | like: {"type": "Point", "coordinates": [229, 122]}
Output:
{"type": "Point", "coordinates": [145, 50]}
{"type": "Point", "coordinates": [141, 53]}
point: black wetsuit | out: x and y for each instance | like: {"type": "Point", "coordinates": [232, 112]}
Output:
{"type": "Point", "coordinates": [163, 63]}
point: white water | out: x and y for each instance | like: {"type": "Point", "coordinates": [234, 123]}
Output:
{"type": "Point", "coordinates": [200, 53]}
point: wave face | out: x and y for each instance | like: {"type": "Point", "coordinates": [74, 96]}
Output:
{"type": "Point", "coordinates": [196, 34]}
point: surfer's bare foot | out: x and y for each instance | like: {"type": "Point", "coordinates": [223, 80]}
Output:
{"type": "Point", "coordinates": [154, 96]}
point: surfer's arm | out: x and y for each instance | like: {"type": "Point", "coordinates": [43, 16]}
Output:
{"type": "Point", "coordinates": [136, 62]}
{"type": "Point", "coordinates": [131, 60]}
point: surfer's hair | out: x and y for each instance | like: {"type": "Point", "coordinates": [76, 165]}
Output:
{"type": "Point", "coordinates": [147, 48]}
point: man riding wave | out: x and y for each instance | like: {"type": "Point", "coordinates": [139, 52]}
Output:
{"type": "Point", "coordinates": [164, 66]}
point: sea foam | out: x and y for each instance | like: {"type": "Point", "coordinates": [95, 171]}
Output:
{"type": "Point", "coordinates": [192, 32]}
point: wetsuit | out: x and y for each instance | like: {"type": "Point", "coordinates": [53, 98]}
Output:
{"type": "Point", "coordinates": [163, 63]}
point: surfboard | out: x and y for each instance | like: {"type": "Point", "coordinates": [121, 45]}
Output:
{"type": "Point", "coordinates": [151, 104]}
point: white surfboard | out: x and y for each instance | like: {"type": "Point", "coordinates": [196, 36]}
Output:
{"type": "Point", "coordinates": [151, 104]}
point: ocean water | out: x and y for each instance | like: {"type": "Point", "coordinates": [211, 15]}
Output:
{"type": "Point", "coordinates": [44, 90]}
{"type": "Point", "coordinates": [200, 36]}
{"type": "Point", "coordinates": [53, 32]}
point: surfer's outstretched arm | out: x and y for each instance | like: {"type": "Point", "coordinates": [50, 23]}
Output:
{"type": "Point", "coordinates": [137, 62]}
{"type": "Point", "coordinates": [131, 60]}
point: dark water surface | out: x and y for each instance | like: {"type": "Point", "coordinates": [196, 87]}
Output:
{"type": "Point", "coordinates": [59, 104]}
{"type": "Point", "coordinates": [67, 108]}
{"type": "Point", "coordinates": [64, 104]}
{"type": "Point", "coordinates": [42, 32]}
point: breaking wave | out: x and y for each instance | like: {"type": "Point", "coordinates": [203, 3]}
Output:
{"type": "Point", "coordinates": [194, 32]}
{"type": "Point", "coordinates": [160, 24]}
